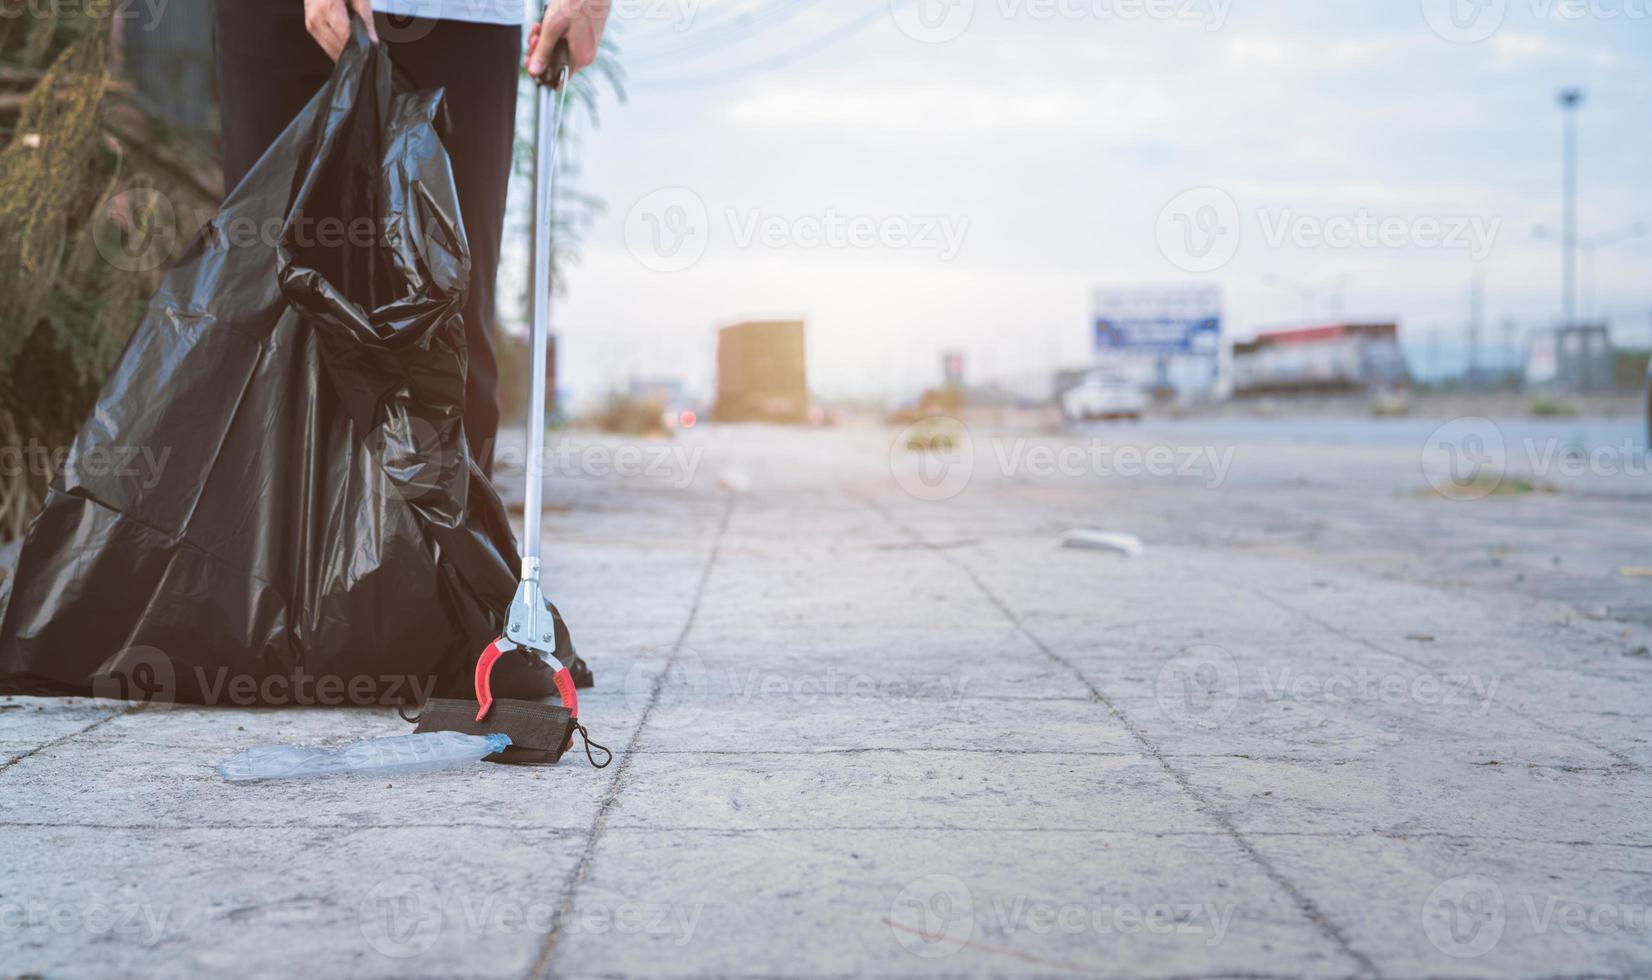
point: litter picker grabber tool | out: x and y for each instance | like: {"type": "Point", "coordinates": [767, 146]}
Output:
{"type": "Point", "coordinates": [528, 624]}
{"type": "Point", "coordinates": [539, 732]}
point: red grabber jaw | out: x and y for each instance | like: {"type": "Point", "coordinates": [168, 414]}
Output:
{"type": "Point", "coordinates": [564, 679]}
{"type": "Point", "coordinates": [529, 627]}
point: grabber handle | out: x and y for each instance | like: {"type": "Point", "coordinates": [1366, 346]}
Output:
{"type": "Point", "coordinates": [553, 98]}
{"type": "Point", "coordinates": [561, 66]}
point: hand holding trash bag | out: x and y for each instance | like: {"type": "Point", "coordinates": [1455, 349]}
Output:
{"type": "Point", "coordinates": [328, 21]}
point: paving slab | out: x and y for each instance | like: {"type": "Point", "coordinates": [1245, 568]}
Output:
{"type": "Point", "coordinates": [939, 904]}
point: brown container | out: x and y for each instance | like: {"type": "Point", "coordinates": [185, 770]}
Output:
{"type": "Point", "coordinates": [762, 374]}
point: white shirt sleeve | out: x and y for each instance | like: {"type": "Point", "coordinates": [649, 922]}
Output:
{"type": "Point", "coordinates": [473, 11]}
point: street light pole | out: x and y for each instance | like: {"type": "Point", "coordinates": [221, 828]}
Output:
{"type": "Point", "coordinates": [1476, 309]}
{"type": "Point", "coordinates": [1570, 99]}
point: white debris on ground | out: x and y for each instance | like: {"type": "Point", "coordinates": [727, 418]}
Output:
{"type": "Point", "coordinates": [1127, 545]}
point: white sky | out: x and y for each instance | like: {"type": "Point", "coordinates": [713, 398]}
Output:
{"type": "Point", "coordinates": [1049, 136]}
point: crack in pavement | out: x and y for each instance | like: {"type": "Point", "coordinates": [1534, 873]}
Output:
{"type": "Point", "coordinates": [111, 716]}
{"type": "Point", "coordinates": [1308, 907]}
{"type": "Point", "coordinates": [541, 966]}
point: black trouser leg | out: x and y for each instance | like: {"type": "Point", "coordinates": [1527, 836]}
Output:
{"type": "Point", "coordinates": [269, 67]}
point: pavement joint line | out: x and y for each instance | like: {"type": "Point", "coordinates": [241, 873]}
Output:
{"type": "Point", "coordinates": [541, 966]}
{"type": "Point", "coordinates": [111, 716]}
{"type": "Point", "coordinates": [1424, 665]}
{"type": "Point", "coordinates": [185, 827]}
{"type": "Point", "coordinates": [1309, 908]}
{"type": "Point", "coordinates": [1570, 770]}
{"type": "Point", "coordinates": [1227, 975]}
{"type": "Point", "coordinates": [725, 831]}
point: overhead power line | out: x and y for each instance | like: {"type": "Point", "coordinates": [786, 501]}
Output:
{"type": "Point", "coordinates": [774, 62]}
{"type": "Point", "coordinates": [726, 31]}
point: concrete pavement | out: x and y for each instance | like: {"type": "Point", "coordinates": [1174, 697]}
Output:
{"type": "Point", "coordinates": [870, 719]}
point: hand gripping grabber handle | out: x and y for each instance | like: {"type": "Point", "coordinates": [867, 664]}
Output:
{"type": "Point", "coordinates": [529, 625]}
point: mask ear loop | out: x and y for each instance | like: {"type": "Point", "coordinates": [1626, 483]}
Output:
{"type": "Point", "coordinates": [607, 756]}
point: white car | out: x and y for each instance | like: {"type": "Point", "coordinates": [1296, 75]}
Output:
{"type": "Point", "coordinates": [1104, 395]}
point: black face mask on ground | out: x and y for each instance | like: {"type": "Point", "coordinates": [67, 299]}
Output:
{"type": "Point", "coordinates": [540, 733]}
{"type": "Point", "coordinates": [302, 373]}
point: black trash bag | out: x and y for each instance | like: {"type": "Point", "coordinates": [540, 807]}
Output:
{"type": "Point", "coordinates": [273, 500]}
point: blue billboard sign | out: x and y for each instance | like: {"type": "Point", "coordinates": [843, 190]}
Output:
{"type": "Point", "coordinates": [1159, 334]}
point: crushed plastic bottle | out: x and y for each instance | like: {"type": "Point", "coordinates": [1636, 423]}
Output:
{"type": "Point", "coordinates": [397, 755]}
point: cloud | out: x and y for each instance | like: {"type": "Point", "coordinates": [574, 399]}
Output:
{"type": "Point", "coordinates": [1515, 46]}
